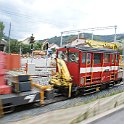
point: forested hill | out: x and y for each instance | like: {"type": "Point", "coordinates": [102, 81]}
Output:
{"type": "Point", "coordinates": [70, 38]}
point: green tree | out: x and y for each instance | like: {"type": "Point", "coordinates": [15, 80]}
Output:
{"type": "Point", "coordinates": [25, 48]}
{"type": "Point", "coordinates": [37, 46]}
{"type": "Point", "coordinates": [54, 50]}
{"type": "Point", "coordinates": [1, 30]}
{"type": "Point", "coordinates": [14, 46]}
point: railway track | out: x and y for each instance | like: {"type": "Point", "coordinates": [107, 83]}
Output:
{"type": "Point", "coordinates": [62, 103]}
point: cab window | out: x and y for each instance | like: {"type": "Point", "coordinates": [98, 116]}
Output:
{"type": "Point", "coordinates": [113, 58]}
{"type": "Point", "coordinates": [73, 57]}
{"type": "Point", "coordinates": [62, 55]}
{"type": "Point", "coordinates": [88, 58]}
{"type": "Point", "coordinates": [84, 58]}
{"type": "Point", "coordinates": [106, 58]}
{"type": "Point", "coordinates": [97, 58]}
{"type": "Point", "coordinates": [117, 58]}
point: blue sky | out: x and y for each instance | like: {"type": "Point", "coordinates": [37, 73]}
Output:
{"type": "Point", "coordinates": [47, 18]}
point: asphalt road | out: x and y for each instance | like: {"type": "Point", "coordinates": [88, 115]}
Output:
{"type": "Point", "coordinates": [113, 118]}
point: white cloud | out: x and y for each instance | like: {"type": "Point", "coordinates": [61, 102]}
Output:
{"type": "Point", "coordinates": [47, 18]}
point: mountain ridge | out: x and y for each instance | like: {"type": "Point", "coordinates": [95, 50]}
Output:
{"type": "Point", "coordinates": [70, 38]}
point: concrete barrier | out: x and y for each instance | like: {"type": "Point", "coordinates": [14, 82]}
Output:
{"type": "Point", "coordinates": [102, 105]}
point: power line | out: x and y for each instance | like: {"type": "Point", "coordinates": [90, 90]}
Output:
{"type": "Point", "coordinates": [36, 19]}
{"type": "Point", "coordinates": [28, 20]}
{"type": "Point", "coordinates": [16, 14]}
{"type": "Point", "coordinates": [89, 29]}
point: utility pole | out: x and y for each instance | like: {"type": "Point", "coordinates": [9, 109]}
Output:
{"type": "Point", "coordinates": [9, 36]}
{"type": "Point", "coordinates": [78, 35]}
{"type": "Point", "coordinates": [123, 51]}
{"type": "Point", "coordinates": [32, 45]}
{"type": "Point", "coordinates": [92, 36]}
{"type": "Point", "coordinates": [61, 40]}
{"type": "Point", "coordinates": [20, 50]}
{"type": "Point", "coordinates": [115, 33]}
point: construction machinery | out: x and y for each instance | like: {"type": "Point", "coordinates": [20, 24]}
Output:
{"type": "Point", "coordinates": [84, 69]}
{"type": "Point", "coordinates": [101, 44]}
{"type": "Point", "coordinates": [108, 45]}
{"type": "Point", "coordinates": [62, 78]}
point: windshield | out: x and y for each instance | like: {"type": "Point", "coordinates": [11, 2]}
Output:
{"type": "Point", "coordinates": [73, 57]}
{"type": "Point", "coordinates": [70, 57]}
{"type": "Point", "coordinates": [62, 55]}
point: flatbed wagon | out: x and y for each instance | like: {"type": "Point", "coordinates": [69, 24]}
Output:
{"type": "Point", "coordinates": [8, 102]}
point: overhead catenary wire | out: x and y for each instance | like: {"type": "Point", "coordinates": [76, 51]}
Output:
{"type": "Point", "coordinates": [89, 29]}
{"type": "Point", "coordinates": [27, 27]}
{"type": "Point", "coordinates": [28, 21]}
{"type": "Point", "coordinates": [29, 18]}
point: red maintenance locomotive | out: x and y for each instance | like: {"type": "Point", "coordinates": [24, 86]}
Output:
{"type": "Point", "coordinates": [91, 69]}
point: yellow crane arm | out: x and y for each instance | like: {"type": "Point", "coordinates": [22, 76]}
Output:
{"type": "Point", "coordinates": [100, 44]}
{"type": "Point", "coordinates": [63, 70]}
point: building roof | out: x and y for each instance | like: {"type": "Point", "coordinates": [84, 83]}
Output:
{"type": "Point", "coordinates": [26, 41]}
{"type": "Point", "coordinates": [76, 42]}
{"type": "Point", "coordinates": [3, 42]}
{"type": "Point", "coordinates": [53, 46]}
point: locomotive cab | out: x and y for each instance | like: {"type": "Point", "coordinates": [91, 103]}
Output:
{"type": "Point", "coordinates": [91, 67]}
{"type": "Point", "coordinates": [71, 56]}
